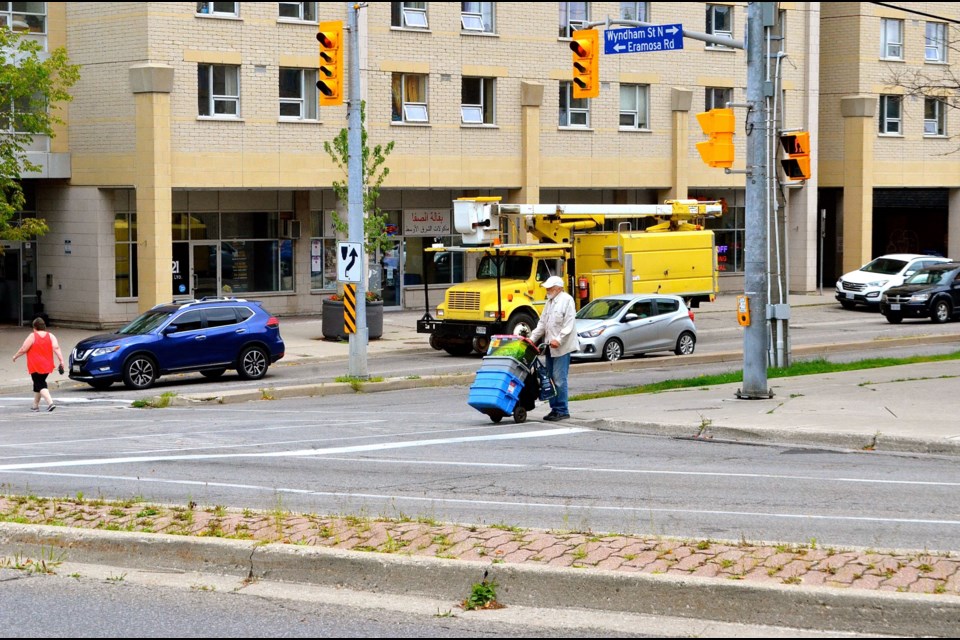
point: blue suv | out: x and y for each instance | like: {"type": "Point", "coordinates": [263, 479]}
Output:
{"type": "Point", "coordinates": [209, 335]}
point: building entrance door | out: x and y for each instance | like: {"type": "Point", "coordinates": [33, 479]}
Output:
{"type": "Point", "coordinates": [10, 285]}
{"type": "Point", "coordinates": [205, 269]}
{"type": "Point", "coordinates": [391, 278]}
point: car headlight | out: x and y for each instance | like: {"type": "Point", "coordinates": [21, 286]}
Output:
{"type": "Point", "coordinates": [877, 283]}
{"type": "Point", "coordinates": [593, 333]}
{"type": "Point", "coordinates": [920, 297]}
{"type": "Point", "coordinates": [102, 351]}
{"type": "Point", "coordinates": [439, 312]}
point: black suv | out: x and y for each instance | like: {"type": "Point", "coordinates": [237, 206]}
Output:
{"type": "Point", "coordinates": [933, 292]}
{"type": "Point", "coordinates": [209, 335]}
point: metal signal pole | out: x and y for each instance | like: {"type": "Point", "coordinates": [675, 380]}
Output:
{"type": "Point", "coordinates": [355, 231]}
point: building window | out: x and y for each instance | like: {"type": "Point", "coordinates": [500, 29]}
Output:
{"type": "Point", "coordinates": [409, 15]}
{"type": "Point", "coordinates": [891, 39]}
{"type": "Point", "coordinates": [409, 98]}
{"type": "Point", "coordinates": [719, 22]}
{"type": "Point", "coordinates": [298, 94]}
{"type": "Point", "coordinates": [890, 114]}
{"type": "Point", "coordinates": [305, 11]}
{"type": "Point", "coordinates": [718, 97]}
{"type": "Point", "coordinates": [476, 16]}
{"type": "Point", "coordinates": [218, 90]}
{"type": "Point", "coordinates": [634, 11]}
{"type": "Point", "coordinates": [633, 106]}
{"type": "Point", "coordinates": [573, 16]}
{"type": "Point", "coordinates": [323, 252]}
{"type": "Point", "coordinates": [934, 117]}
{"type": "Point", "coordinates": [231, 9]}
{"type": "Point", "coordinates": [477, 100]}
{"type": "Point", "coordinates": [935, 42]}
{"type": "Point", "coordinates": [125, 254]}
{"type": "Point", "coordinates": [28, 18]}
{"type": "Point", "coordinates": [574, 112]}
{"type": "Point", "coordinates": [729, 229]}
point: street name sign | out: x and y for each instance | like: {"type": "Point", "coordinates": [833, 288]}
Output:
{"type": "Point", "coordinates": [661, 37]}
{"type": "Point", "coordinates": [349, 261]}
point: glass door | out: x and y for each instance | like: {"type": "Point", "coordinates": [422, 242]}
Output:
{"type": "Point", "coordinates": [390, 276]}
{"type": "Point", "coordinates": [205, 269]}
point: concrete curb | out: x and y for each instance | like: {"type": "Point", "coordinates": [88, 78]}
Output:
{"type": "Point", "coordinates": [544, 587]}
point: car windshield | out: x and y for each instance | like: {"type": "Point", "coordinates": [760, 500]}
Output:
{"type": "Point", "coordinates": [886, 266]}
{"type": "Point", "coordinates": [145, 323]}
{"type": "Point", "coordinates": [923, 276]}
{"type": "Point", "coordinates": [600, 309]}
{"type": "Point", "coordinates": [513, 267]}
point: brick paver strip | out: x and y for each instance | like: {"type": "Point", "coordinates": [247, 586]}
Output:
{"type": "Point", "coordinates": [919, 572]}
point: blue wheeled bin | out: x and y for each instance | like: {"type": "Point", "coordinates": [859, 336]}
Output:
{"type": "Point", "coordinates": [503, 385]}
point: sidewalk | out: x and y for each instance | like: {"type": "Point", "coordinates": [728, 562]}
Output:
{"type": "Point", "coordinates": [856, 590]}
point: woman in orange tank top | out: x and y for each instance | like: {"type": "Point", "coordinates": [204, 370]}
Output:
{"type": "Point", "coordinates": [40, 347]}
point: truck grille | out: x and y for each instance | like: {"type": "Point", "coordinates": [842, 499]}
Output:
{"type": "Point", "coordinates": [463, 300]}
{"type": "Point", "coordinates": [852, 286]}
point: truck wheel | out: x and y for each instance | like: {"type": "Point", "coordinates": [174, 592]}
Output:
{"type": "Point", "coordinates": [481, 344]}
{"type": "Point", "coordinates": [521, 321]}
{"type": "Point", "coordinates": [435, 342]}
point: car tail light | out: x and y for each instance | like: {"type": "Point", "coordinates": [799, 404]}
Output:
{"type": "Point", "coordinates": [690, 313]}
{"type": "Point", "coordinates": [273, 323]}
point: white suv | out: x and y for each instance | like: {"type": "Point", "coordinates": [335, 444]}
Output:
{"type": "Point", "coordinates": [867, 284]}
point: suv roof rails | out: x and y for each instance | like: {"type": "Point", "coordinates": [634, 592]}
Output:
{"type": "Point", "coordinates": [186, 303]}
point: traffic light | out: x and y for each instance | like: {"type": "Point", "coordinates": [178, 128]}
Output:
{"type": "Point", "coordinates": [719, 125]}
{"type": "Point", "coordinates": [797, 147]}
{"type": "Point", "coordinates": [586, 63]}
{"type": "Point", "coordinates": [330, 82]}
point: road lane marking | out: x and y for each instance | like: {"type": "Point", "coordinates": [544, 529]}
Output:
{"type": "Point", "coordinates": [379, 446]}
{"type": "Point", "coordinates": [565, 506]}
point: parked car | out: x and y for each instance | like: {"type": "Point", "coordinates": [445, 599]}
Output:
{"type": "Point", "coordinates": [208, 336]}
{"type": "Point", "coordinates": [631, 324]}
{"type": "Point", "coordinates": [867, 284]}
{"type": "Point", "coordinates": [932, 293]}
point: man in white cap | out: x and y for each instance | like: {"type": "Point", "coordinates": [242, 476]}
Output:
{"type": "Point", "coordinates": [557, 327]}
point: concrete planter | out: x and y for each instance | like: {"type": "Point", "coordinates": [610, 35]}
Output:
{"type": "Point", "coordinates": [332, 316]}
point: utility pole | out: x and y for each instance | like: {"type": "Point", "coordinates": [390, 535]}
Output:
{"type": "Point", "coordinates": [755, 337]}
{"type": "Point", "coordinates": [355, 213]}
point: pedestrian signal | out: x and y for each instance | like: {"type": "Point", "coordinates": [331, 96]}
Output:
{"type": "Point", "coordinates": [796, 146]}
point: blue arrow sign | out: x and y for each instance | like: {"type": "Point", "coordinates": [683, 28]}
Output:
{"type": "Point", "coordinates": [661, 37]}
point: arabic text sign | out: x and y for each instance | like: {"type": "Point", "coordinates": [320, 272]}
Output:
{"type": "Point", "coordinates": [426, 222]}
{"type": "Point", "coordinates": [661, 37]}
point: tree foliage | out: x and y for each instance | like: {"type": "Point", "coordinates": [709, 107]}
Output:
{"type": "Point", "coordinates": [32, 86]}
{"type": "Point", "coordinates": [374, 173]}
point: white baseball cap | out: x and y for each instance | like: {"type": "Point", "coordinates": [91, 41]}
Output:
{"type": "Point", "coordinates": [553, 281]}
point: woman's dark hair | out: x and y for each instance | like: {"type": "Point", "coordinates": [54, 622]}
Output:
{"type": "Point", "coordinates": [39, 324]}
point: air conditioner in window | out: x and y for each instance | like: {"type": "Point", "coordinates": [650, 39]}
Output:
{"type": "Point", "coordinates": [290, 229]}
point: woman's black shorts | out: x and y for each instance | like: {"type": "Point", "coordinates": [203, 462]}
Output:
{"type": "Point", "coordinates": [39, 381]}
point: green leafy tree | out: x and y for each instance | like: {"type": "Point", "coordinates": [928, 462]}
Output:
{"type": "Point", "coordinates": [31, 88]}
{"type": "Point", "coordinates": [375, 171]}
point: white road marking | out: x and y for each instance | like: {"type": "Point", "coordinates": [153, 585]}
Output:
{"type": "Point", "coordinates": [380, 446]}
{"type": "Point", "coordinates": [565, 506]}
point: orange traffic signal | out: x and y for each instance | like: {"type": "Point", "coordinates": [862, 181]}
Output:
{"type": "Point", "coordinates": [586, 63]}
{"type": "Point", "coordinates": [796, 145]}
{"type": "Point", "coordinates": [719, 125]}
{"type": "Point", "coordinates": [330, 75]}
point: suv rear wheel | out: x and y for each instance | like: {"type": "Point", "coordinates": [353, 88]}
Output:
{"type": "Point", "coordinates": [253, 363]}
{"type": "Point", "coordinates": [139, 372]}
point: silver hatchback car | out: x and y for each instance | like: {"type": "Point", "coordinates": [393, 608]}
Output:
{"type": "Point", "coordinates": [629, 324]}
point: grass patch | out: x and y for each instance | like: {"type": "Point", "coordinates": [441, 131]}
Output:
{"type": "Point", "coordinates": [803, 368]}
{"type": "Point", "coordinates": [160, 402]}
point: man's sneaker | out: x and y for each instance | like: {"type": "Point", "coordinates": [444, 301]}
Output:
{"type": "Point", "coordinates": [53, 406]}
{"type": "Point", "coordinates": [551, 417]}
{"type": "Point", "coordinates": [562, 416]}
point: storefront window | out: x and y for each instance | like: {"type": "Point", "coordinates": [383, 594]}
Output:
{"type": "Point", "coordinates": [435, 268]}
{"type": "Point", "coordinates": [125, 252]}
{"type": "Point", "coordinates": [323, 252]}
{"type": "Point", "coordinates": [728, 229]}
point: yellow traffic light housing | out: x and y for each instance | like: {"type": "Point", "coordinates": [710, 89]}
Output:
{"type": "Point", "coordinates": [330, 74]}
{"type": "Point", "coordinates": [718, 125]}
{"type": "Point", "coordinates": [796, 146]}
{"type": "Point", "coordinates": [586, 63]}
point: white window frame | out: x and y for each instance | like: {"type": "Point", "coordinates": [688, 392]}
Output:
{"type": "Point", "coordinates": [710, 97]}
{"type": "Point", "coordinates": [891, 46]}
{"type": "Point", "coordinates": [566, 116]}
{"type": "Point", "coordinates": [568, 25]}
{"type": "Point", "coordinates": [935, 127]}
{"type": "Point", "coordinates": [417, 112]}
{"type": "Point", "coordinates": [210, 9]}
{"type": "Point", "coordinates": [472, 114]}
{"type": "Point", "coordinates": [308, 100]}
{"type": "Point", "coordinates": [414, 17]}
{"type": "Point", "coordinates": [891, 126]}
{"type": "Point", "coordinates": [641, 11]}
{"type": "Point", "coordinates": [472, 17]}
{"type": "Point", "coordinates": [302, 10]}
{"type": "Point", "coordinates": [711, 29]}
{"type": "Point", "coordinates": [642, 97]}
{"type": "Point", "coordinates": [214, 99]}
{"type": "Point", "coordinates": [937, 44]}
